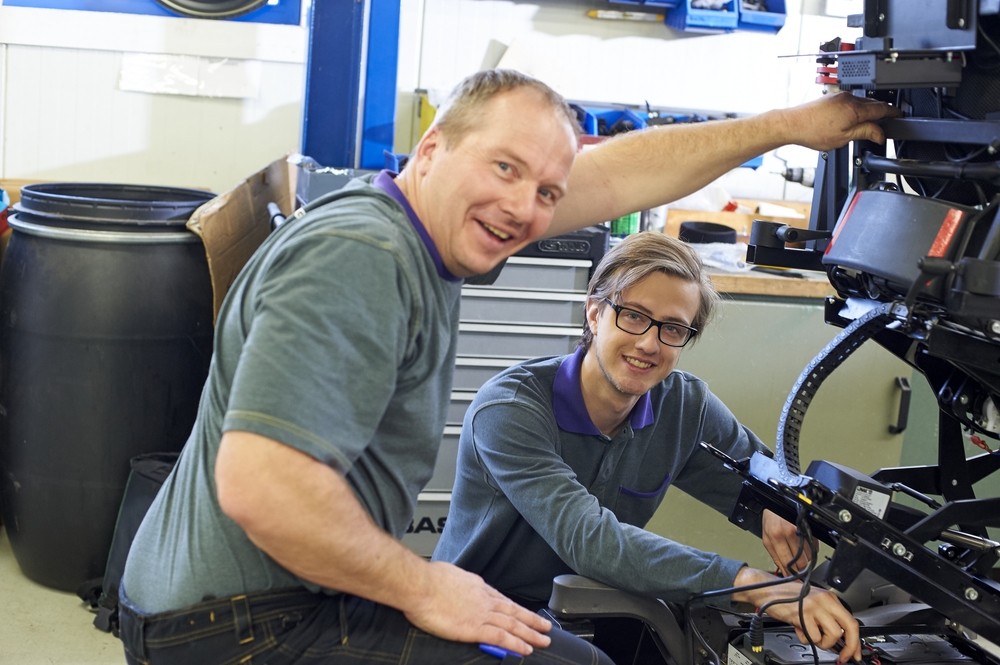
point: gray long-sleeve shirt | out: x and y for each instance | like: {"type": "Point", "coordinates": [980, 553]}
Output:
{"type": "Point", "coordinates": [541, 492]}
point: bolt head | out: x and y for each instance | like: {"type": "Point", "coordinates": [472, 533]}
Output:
{"type": "Point", "coordinates": [961, 22]}
{"type": "Point", "coordinates": [837, 581]}
{"type": "Point", "coordinates": [881, 17]}
{"type": "Point", "coordinates": [963, 399]}
{"type": "Point", "coordinates": [954, 482]}
{"type": "Point", "coordinates": [995, 325]}
{"type": "Point", "coordinates": [991, 150]}
{"type": "Point", "coordinates": [899, 549]}
{"type": "Point", "coordinates": [971, 593]}
{"type": "Point", "coordinates": [857, 161]}
{"type": "Point", "coordinates": [845, 515]}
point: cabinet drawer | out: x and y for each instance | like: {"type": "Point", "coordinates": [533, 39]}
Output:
{"type": "Point", "coordinates": [554, 274]}
{"type": "Point", "coordinates": [471, 372]}
{"type": "Point", "coordinates": [460, 401]}
{"type": "Point", "coordinates": [522, 306]}
{"type": "Point", "coordinates": [444, 471]}
{"type": "Point", "coordinates": [429, 518]}
{"type": "Point", "coordinates": [515, 341]}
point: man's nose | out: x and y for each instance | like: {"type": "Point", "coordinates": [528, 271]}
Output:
{"type": "Point", "coordinates": [649, 341]}
{"type": "Point", "coordinates": [520, 202]}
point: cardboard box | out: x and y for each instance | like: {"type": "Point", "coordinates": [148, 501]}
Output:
{"type": "Point", "coordinates": [233, 225]}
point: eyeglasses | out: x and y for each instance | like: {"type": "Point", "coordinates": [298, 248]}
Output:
{"type": "Point", "coordinates": [637, 323]}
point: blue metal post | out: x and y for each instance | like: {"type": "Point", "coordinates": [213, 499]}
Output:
{"type": "Point", "coordinates": [334, 82]}
{"type": "Point", "coordinates": [380, 87]}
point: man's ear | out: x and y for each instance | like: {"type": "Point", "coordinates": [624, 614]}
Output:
{"type": "Point", "coordinates": [430, 144]}
{"type": "Point", "coordinates": [593, 310]}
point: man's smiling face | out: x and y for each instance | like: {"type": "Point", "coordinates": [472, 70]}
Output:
{"type": "Point", "coordinates": [630, 365]}
{"type": "Point", "coordinates": [495, 190]}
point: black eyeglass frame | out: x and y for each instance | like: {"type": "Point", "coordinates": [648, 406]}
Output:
{"type": "Point", "coordinates": [652, 322]}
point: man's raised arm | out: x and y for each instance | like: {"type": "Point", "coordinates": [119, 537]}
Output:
{"type": "Point", "coordinates": [649, 168]}
{"type": "Point", "coordinates": [307, 518]}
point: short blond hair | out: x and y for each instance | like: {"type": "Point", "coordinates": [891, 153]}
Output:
{"type": "Point", "coordinates": [641, 254]}
{"type": "Point", "coordinates": [458, 115]}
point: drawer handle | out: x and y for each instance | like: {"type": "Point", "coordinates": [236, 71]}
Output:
{"type": "Point", "coordinates": [904, 405]}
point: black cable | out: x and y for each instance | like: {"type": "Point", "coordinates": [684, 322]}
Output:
{"type": "Point", "coordinates": [724, 610]}
{"type": "Point", "coordinates": [804, 534]}
{"type": "Point", "coordinates": [802, 528]}
{"type": "Point", "coordinates": [989, 41]}
{"type": "Point", "coordinates": [955, 113]}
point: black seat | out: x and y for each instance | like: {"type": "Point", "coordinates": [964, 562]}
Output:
{"type": "Point", "coordinates": [578, 597]}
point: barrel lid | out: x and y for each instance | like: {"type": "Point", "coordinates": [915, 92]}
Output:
{"type": "Point", "coordinates": [102, 204]}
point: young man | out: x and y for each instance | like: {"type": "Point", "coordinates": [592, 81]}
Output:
{"type": "Point", "coordinates": [563, 460]}
{"type": "Point", "coordinates": [277, 533]}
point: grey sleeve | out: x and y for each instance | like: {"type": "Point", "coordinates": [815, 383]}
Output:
{"type": "Point", "coordinates": [704, 476]}
{"type": "Point", "coordinates": [328, 327]}
{"type": "Point", "coordinates": [515, 443]}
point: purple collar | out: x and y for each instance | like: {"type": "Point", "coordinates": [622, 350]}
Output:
{"type": "Point", "coordinates": [569, 408]}
{"type": "Point", "coordinates": [385, 181]}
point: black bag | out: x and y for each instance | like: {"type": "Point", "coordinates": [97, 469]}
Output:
{"type": "Point", "coordinates": [148, 473]}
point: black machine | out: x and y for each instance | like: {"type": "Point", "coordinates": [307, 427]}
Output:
{"type": "Point", "coordinates": [912, 238]}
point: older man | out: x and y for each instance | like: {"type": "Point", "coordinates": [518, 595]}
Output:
{"type": "Point", "coordinates": [276, 537]}
{"type": "Point", "coordinates": [563, 460]}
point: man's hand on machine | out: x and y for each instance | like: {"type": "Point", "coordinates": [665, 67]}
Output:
{"type": "Point", "coordinates": [782, 542]}
{"type": "Point", "coordinates": [460, 606]}
{"type": "Point", "coordinates": [827, 621]}
{"type": "Point", "coordinates": [834, 120]}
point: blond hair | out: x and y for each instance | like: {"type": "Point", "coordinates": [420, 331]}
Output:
{"type": "Point", "coordinates": [459, 113]}
{"type": "Point", "coordinates": [641, 254]}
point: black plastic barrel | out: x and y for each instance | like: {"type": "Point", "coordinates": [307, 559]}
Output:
{"type": "Point", "coordinates": [105, 343]}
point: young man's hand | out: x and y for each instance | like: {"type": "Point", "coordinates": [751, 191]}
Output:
{"type": "Point", "coordinates": [827, 621]}
{"type": "Point", "coordinates": [782, 542]}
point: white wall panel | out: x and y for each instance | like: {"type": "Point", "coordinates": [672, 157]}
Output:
{"type": "Point", "coordinates": [109, 31]}
{"type": "Point", "coordinates": [623, 62]}
{"type": "Point", "coordinates": [66, 119]}
{"type": "Point", "coordinates": [612, 61]}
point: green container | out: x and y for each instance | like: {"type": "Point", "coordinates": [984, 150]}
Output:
{"type": "Point", "coordinates": [625, 225]}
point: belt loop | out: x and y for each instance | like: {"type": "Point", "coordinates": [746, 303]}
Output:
{"type": "Point", "coordinates": [140, 630]}
{"type": "Point", "coordinates": [132, 626]}
{"type": "Point", "coordinates": [242, 621]}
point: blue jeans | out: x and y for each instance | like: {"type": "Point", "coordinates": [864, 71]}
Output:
{"type": "Point", "coordinates": [287, 626]}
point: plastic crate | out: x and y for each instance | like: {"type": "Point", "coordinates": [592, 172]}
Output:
{"type": "Point", "coordinates": [771, 20]}
{"type": "Point", "coordinates": [692, 19]}
{"type": "Point", "coordinates": [612, 116]}
{"type": "Point", "coordinates": [665, 4]}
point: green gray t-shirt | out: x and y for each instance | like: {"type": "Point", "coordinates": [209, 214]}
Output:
{"type": "Point", "coordinates": [337, 339]}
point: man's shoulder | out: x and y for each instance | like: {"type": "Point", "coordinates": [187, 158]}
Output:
{"type": "Point", "coordinates": [357, 226]}
{"type": "Point", "coordinates": [682, 386]}
{"type": "Point", "coordinates": [529, 380]}
{"type": "Point", "coordinates": [359, 207]}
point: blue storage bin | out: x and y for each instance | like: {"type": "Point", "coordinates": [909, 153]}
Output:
{"type": "Point", "coordinates": [587, 120]}
{"type": "Point", "coordinates": [771, 20]}
{"type": "Point", "coordinates": [691, 19]}
{"type": "Point", "coordinates": [612, 116]}
{"type": "Point", "coordinates": [666, 4]}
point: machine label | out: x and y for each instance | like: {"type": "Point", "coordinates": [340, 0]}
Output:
{"type": "Point", "coordinates": [871, 500]}
{"type": "Point", "coordinates": [736, 657]}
